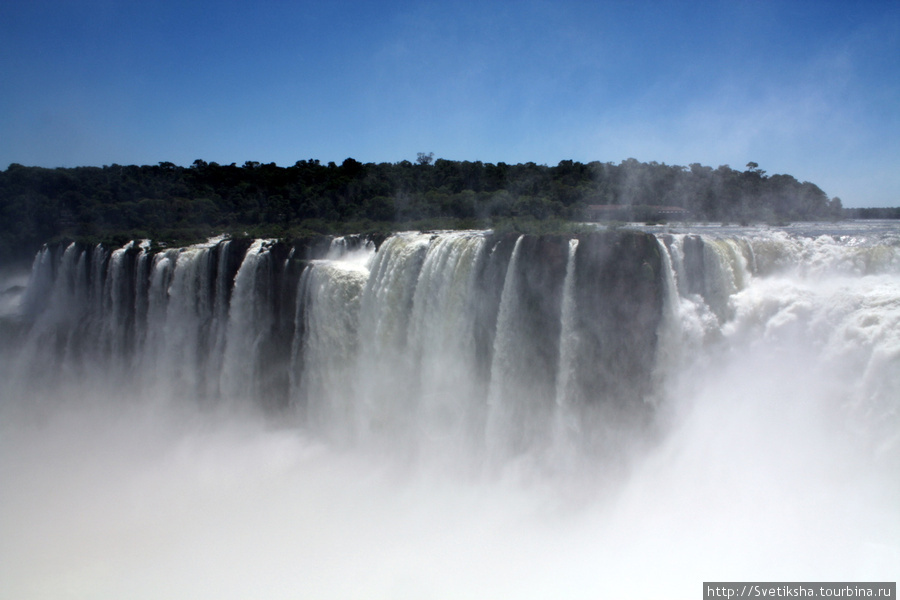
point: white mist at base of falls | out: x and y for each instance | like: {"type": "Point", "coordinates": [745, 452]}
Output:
{"type": "Point", "coordinates": [772, 453]}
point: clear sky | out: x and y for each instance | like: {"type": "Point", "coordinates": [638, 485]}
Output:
{"type": "Point", "coordinates": [811, 89]}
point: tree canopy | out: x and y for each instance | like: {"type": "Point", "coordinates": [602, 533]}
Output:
{"type": "Point", "coordinates": [166, 200]}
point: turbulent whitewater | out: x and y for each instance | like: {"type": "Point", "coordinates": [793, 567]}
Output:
{"type": "Point", "coordinates": [453, 414]}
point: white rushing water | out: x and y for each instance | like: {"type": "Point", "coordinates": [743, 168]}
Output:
{"type": "Point", "coordinates": [453, 415]}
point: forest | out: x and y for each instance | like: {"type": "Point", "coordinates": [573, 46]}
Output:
{"type": "Point", "coordinates": [178, 204]}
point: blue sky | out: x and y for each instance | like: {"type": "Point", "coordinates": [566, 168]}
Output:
{"type": "Point", "coordinates": [806, 88]}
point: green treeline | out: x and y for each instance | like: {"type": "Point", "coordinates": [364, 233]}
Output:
{"type": "Point", "coordinates": [872, 213]}
{"type": "Point", "coordinates": [166, 201]}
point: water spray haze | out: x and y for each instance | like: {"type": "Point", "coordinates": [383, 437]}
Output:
{"type": "Point", "coordinates": [453, 415]}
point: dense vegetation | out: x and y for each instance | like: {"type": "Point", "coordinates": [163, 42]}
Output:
{"type": "Point", "coordinates": [872, 213]}
{"type": "Point", "coordinates": [166, 201]}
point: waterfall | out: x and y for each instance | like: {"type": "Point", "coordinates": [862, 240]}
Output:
{"type": "Point", "coordinates": [118, 325]}
{"type": "Point", "coordinates": [385, 368]}
{"type": "Point", "coordinates": [480, 412]}
{"type": "Point", "coordinates": [186, 319]}
{"type": "Point", "coordinates": [390, 339]}
{"type": "Point", "coordinates": [567, 424]}
{"type": "Point", "coordinates": [249, 322]}
{"type": "Point", "coordinates": [40, 285]}
{"type": "Point", "coordinates": [325, 354]}
{"type": "Point", "coordinates": [507, 405]}
{"type": "Point", "coordinates": [441, 344]}
{"type": "Point", "coordinates": [442, 338]}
